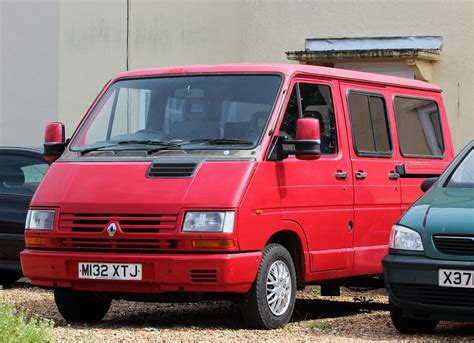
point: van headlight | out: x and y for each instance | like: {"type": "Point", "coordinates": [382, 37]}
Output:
{"type": "Point", "coordinates": [209, 222]}
{"type": "Point", "coordinates": [404, 238]}
{"type": "Point", "coordinates": [40, 220]}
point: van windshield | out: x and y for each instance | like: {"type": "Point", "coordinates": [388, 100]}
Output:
{"type": "Point", "coordinates": [180, 112]}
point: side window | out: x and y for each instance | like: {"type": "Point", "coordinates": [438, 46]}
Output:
{"type": "Point", "coordinates": [419, 127]}
{"type": "Point", "coordinates": [315, 102]}
{"type": "Point", "coordinates": [20, 175]}
{"type": "Point", "coordinates": [463, 176]}
{"type": "Point", "coordinates": [369, 124]}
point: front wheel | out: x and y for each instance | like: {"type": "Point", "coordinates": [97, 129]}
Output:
{"type": "Point", "coordinates": [80, 306]}
{"type": "Point", "coordinates": [410, 325]}
{"type": "Point", "coordinates": [270, 302]}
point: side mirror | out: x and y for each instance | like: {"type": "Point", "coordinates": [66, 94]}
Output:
{"type": "Point", "coordinates": [54, 141]}
{"type": "Point", "coordinates": [427, 183]}
{"type": "Point", "coordinates": [306, 146]}
{"type": "Point", "coordinates": [309, 134]}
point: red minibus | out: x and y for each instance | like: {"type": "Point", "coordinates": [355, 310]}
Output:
{"type": "Point", "coordinates": [236, 182]}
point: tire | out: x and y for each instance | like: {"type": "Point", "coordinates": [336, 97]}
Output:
{"type": "Point", "coordinates": [8, 277]}
{"type": "Point", "coordinates": [410, 325]}
{"type": "Point", "coordinates": [80, 306]}
{"type": "Point", "coordinates": [260, 313]}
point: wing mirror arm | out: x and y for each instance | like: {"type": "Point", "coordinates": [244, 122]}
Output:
{"type": "Point", "coordinates": [427, 183]}
{"type": "Point", "coordinates": [306, 146]}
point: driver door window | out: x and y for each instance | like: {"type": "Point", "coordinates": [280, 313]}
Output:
{"type": "Point", "coordinates": [316, 102]}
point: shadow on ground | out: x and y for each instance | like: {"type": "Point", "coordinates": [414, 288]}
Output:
{"type": "Point", "coordinates": [225, 316]}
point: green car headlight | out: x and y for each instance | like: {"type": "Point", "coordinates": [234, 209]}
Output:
{"type": "Point", "coordinates": [403, 238]}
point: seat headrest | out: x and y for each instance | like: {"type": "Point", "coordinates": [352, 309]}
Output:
{"type": "Point", "coordinates": [313, 114]}
{"type": "Point", "coordinates": [12, 176]}
{"type": "Point", "coordinates": [236, 130]}
{"type": "Point", "coordinates": [194, 109]}
{"type": "Point", "coordinates": [258, 119]}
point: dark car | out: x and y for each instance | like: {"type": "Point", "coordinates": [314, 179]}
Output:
{"type": "Point", "coordinates": [429, 271]}
{"type": "Point", "coordinates": [21, 170]}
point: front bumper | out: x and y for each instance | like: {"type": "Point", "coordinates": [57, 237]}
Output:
{"type": "Point", "coordinates": [412, 285]}
{"type": "Point", "coordinates": [161, 272]}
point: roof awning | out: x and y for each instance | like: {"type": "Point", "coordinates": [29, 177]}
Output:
{"type": "Point", "coordinates": [418, 51]}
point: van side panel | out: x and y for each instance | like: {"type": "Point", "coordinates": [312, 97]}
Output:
{"type": "Point", "coordinates": [413, 170]}
{"type": "Point", "coordinates": [376, 193]}
{"type": "Point", "coordinates": [313, 196]}
{"type": "Point", "coordinates": [260, 208]}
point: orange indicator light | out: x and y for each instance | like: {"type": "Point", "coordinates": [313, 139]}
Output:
{"type": "Point", "coordinates": [214, 243]}
{"type": "Point", "coordinates": [35, 241]}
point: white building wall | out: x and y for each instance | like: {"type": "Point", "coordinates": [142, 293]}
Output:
{"type": "Point", "coordinates": [92, 49]}
{"type": "Point", "coordinates": [95, 42]}
{"type": "Point", "coordinates": [279, 26]}
{"type": "Point", "coordinates": [29, 67]}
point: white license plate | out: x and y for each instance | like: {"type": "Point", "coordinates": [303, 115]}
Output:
{"type": "Point", "coordinates": [110, 271]}
{"type": "Point", "coordinates": [456, 278]}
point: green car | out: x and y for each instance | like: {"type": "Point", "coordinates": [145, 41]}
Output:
{"type": "Point", "coordinates": [429, 270]}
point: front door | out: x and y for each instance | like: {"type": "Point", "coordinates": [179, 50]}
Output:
{"type": "Point", "coordinates": [318, 194]}
{"type": "Point", "coordinates": [376, 183]}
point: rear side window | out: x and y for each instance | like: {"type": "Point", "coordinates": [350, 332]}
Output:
{"type": "Point", "coordinates": [369, 125]}
{"type": "Point", "coordinates": [20, 175]}
{"type": "Point", "coordinates": [419, 127]}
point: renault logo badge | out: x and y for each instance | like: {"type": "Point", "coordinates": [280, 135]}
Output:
{"type": "Point", "coordinates": [112, 229]}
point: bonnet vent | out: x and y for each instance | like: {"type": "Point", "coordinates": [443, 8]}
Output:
{"type": "Point", "coordinates": [160, 169]}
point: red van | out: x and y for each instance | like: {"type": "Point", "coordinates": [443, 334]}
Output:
{"type": "Point", "coordinates": [240, 182]}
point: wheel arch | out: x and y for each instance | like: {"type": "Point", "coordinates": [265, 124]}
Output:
{"type": "Point", "coordinates": [296, 246]}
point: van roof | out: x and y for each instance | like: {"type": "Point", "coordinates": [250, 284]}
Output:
{"type": "Point", "coordinates": [286, 69]}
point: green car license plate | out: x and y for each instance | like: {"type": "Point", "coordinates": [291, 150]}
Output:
{"type": "Point", "coordinates": [456, 278]}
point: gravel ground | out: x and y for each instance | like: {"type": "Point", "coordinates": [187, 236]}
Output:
{"type": "Point", "coordinates": [354, 316]}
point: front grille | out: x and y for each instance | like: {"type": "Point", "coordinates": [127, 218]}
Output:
{"type": "Point", "coordinates": [160, 169]}
{"type": "Point", "coordinates": [129, 223]}
{"type": "Point", "coordinates": [117, 245]}
{"type": "Point", "coordinates": [203, 275]}
{"type": "Point", "coordinates": [454, 245]}
{"type": "Point", "coordinates": [434, 295]}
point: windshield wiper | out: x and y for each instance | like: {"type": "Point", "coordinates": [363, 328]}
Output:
{"type": "Point", "coordinates": [221, 141]}
{"type": "Point", "coordinates": [131, 142]}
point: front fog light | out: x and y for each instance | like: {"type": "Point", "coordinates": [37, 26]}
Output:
{"type": "Point", "coordinates": [40, 220]}
{"type": "Point", "coordinates": [209, 222]}
{"type": "Point", "coordinates": [404, 238]}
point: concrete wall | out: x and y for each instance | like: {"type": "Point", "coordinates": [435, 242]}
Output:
{"type": "Point", "coordinates": [29, 61]}
{"type": "Point", "coordinates": [95, 41]}
{"type": "Point", "coordinates": [93, 48]}
{"type": "Point", "coordinates": [278, 26]}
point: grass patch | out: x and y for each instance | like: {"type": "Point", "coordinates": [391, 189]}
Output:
{"type": "Point", "coordinates": [319, 325]}
{"type": "Point", "coordinates": [16, 327]}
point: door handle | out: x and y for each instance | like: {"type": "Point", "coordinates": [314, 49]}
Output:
{"type": "Point", "coordinates": [393, 176]}
{"type": "Point", "coordinates": [341, 175]}
{"type": "Point", "coordinates": [360, 175]}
